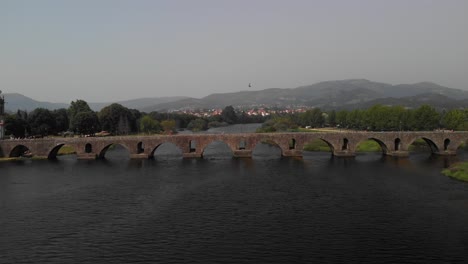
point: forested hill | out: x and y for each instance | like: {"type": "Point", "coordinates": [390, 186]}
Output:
{"type": "Point", "coordinates": [343, 94]}
{"type": "Point", "coordinates": [15, 101]}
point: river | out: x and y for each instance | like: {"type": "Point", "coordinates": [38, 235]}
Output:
{"type": "Point", "coordinates": [319, 209]}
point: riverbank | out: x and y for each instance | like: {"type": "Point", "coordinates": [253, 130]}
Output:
{"type": "Point", "coordinates": [365, 146]}
{"type": "Point", "coordinates": [457, 171]}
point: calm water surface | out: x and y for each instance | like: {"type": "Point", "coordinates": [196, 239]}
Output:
{"type": "Point", "coordinates": [222, 210]}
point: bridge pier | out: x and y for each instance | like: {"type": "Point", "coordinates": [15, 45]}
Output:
{"type": "Point", "coordinates": [446, 153]}
{"type": "Point", "coordinates": [86, 156]}
{"type": "Point", "coordinates": [242, 153]}
{"type": "Point", "coordinates": [191, 155]}
{"type": "Point", "coordinates": [292, 153]}
{"type": "Point", "coordinates": [139, 156]}
{"type": "Point", "coordinates": [344, 154]}
{"type": "Point", "coordinates": [398, 153]}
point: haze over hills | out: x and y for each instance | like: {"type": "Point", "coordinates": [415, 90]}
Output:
{"type": "Point", "coordinates": [341, 94]}
{"type": "Point", "coordinates": [15, 101]}
{"type": "Point", "coordinates": [328, 95]}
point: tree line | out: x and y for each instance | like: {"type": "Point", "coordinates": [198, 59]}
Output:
{"type": "Point", "coordinates": [375, 118]}
{"type": "Point", "coordinates": [80, 119]}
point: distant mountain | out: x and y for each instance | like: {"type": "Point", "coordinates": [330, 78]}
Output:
{"type": "Point", "coordinates": [341, 94]}
{"type": "Point", "coordinates": [15, 101]}
{"type": "Point", "coordinates": [331, 94]}
{"type": "Point", "coordinates": [140, 103]}
{"type": "Point", "coordinates": [435, 100]}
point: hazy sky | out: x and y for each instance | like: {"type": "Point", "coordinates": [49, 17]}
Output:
{"type": "Point", "coordinates": [100, 50]}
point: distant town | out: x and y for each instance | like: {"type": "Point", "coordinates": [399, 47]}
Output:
{"type": "Point", "coordinates": [256, 111]}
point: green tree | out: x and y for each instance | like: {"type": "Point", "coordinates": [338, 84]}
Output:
{"type": "Point", "coordinates": [42, 122]}
{"type": "Point", "coordinates": [117, 119]}
{"type": "Point", "coordinates": [16, 126]}
{"type": "Point", "coordinates": [454, 119]}
{"type": "Point", "coordinates": [148, 125]}
{"type": "Point", "coordinates": [198, 124]}
{"type": "Point", "coordinates": [313, 118]}
{"type": "Point", "coordinates": [229, 115]}
{"type": "Point", "coordinates": [76, 107]}
{"type": "Point", "coordinates": [169, 126]}
{"type": "Point", "coordinates": [332, 118]}
{"type": "Point", "coordinates": [425, 118]}
{"type": "Point", "coordinates": [61, 120]}
{"type": "Point", "coordinates": [86, 123]}
{"type": "Point", "coordinates": [342, 118]}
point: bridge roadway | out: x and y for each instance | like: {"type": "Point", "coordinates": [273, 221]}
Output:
{"type": "Point", "coordinates": [242, 145]}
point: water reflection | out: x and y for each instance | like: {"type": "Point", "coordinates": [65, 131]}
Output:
{"type": "Point", "coordinates": [167, 151]}
{"type": "Point", "coordinates": [217, 150]}
{"type": "Point", "coordinates": [266, 151]}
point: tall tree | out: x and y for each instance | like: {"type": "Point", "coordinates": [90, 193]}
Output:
{"type": "Point", "coordinates": [169, 126]}
{"type": "Point", "coordinates": [454, 119]}
{"type": "Point", "coordinates": [117, 119]}
{"type": "Point", "coordinates": [15, 126]}
{"type": "Point", "coordinates": [42, 122]}
{"type": "Point", "coordinates": [61, 120]}
{"type": "Point", "coordinates": [229, 115]}
{"type": "Point", "coordinates": [332, 118]}
{"type": "Point", "coordinates": [148, 125]}
{"type": "Point", "coordinates": [75, 108]}
{"type": "Point", "coordinates": [86, 123]}
{"type": "Point", "coordinates": [425, 118]}
{"type": "Point", "coordinates": [198, 124]}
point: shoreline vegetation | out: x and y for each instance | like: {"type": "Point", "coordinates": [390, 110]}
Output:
{"type": "Point", "coordinates": [457, 171]}
{"type": "Point", "coordinates": [365, 146]}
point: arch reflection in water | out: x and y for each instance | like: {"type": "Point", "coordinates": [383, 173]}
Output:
{"type": "Point", "coordinates": [266, 150]}
{"type": "Point", "coordinates": [115, 152]}
{"type": "Point", "coordinates": [217, 150]}
{"type": "Point", "coordinates": [370, 149]}
{"type": "Point", "coordinates": [422, 145]}
{"type": "Point", "coordinates": [167, 151]}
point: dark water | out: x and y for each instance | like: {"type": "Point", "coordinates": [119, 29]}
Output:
{"type": "Point", "coordinates": [263, 210]}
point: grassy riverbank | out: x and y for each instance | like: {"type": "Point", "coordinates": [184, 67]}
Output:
{"type": "Point", "coordinates": [365, 146]}
{"type": "Point", "coordinates": [66, 150]}
{"type": "Point", "coordinates": [457, 171]}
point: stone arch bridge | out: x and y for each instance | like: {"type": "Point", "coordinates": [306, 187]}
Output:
{"type": "Point", "coordinates": [193, 145]}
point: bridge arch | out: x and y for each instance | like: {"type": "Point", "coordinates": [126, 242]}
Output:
{"type": "Point", "coordinates": [267, 148]}
{"type": "Point", "coordinates": [193, 146]}
{"type": "Point", "coordinates": [382, 145]}
{"type": "Point", "coordinates": [20, 151]}
{"type": "Point", "coordinates": [432, 145]}
{"type": "Point", "coordinates": [397, 144]}
{"type": "Point", "coordinates": [446, 144]}
{"type": "Point", "coordinates": [345, 145]}
{"type": "Point", "coordinates": [88, 148]}
{"type": "Point", "coordinates": [102, 153]}
{"type": "Point", "coordinates": [316, 144]}
{"type": "Point", "coordinates": [242, 144]}
{"type": "Point", "coordinates": [292, 143]}
{"type": "Point", "coordinates": [140, 148]}
{"type": "Point", "coordinates": [217, 147]}
{"type": "Point", "coordinates": [54, 152]}
{"type": "Point", "coordinates": [166, 149]}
